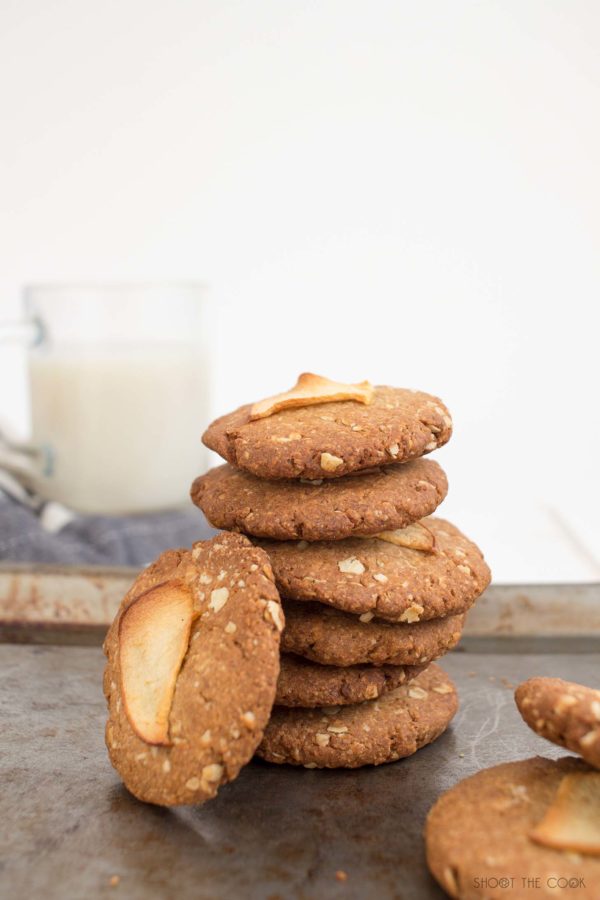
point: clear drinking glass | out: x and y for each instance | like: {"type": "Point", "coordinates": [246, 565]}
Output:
{"type": "Point", "coordinates": [119, 380]}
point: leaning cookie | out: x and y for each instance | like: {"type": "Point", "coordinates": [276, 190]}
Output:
{"type": "Point", "coordinates": [378, 731]}
{"type": "Point", "coordinates": [519, 830]}
{"type": "Point", "coordinates": [388, 498]}
{"type": "Point", "coordinates": [385, 575]}
{"type": "Point", "coordinates": [307, 684]}
{"type": "Point", "coordinates": [334, 438]}
{"type": "Point", "coordinates": [193, 661]}
{"type": "Point", "coordinates": [334, 638]}
{"type": "Point", "coordinates": [563, 712]}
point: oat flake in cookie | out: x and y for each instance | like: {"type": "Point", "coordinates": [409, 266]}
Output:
{"type": "Point", "coordinates": [369, 575]}
{"type": "Point", "coordinates": [378, 731]}
{"type": "Point", "coordinates": [566, 713]}
{"type": "Point", "coordinates": [334, 638]}
{"type": "Point", "coordinates": [307, 684]}
{"type": "Point", "coordinates": [193, 661]}
{"type": "Point", "coordinates": [484, 829]}
{"type": "Point", "coordinates": [331, 439]}
{"type": "Point", "coordinates": [390, 497]}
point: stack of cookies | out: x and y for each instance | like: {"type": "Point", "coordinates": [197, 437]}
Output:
{"type": "Point", "coordinates": [331, 481]}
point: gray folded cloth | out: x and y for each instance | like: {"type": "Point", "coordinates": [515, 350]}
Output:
{"type": "Point", "coordinates": [47, 532]}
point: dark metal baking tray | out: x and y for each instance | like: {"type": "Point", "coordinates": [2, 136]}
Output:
{"type": "Point", "coordinates": [69, 828]}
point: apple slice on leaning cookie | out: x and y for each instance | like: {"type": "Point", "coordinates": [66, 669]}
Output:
{"type": "Point", "coordinates": [154, 634]}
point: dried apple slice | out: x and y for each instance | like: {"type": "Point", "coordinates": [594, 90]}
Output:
{"type": "Point", "coordinates": [311, 389]}
{"type": "Point", "coordinates": [154, 634]}
{"type": "Point", "coordinates": [572, 822]}
{"type": "Point", "coordinates": [414, 537]}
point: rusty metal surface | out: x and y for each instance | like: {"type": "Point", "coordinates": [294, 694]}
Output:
{"type": "Point", "coordinates": [53, 604]}
{"type": "Point", "coordinates": [554, 610]}
{"type": "Point", "coordinates": [69, 827]}
{"type": "Point", "coordinates": [48, 603]}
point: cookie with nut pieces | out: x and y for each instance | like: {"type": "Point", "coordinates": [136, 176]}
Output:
{"type": "Point", "coordinates": [388, 498]}
{"type": "Point", "coordinates": [307, 684]}
{"type": "Point", "coordinates": [378, 731]}
{"type": "Point", "coordinates": [317, 433]}
{"type": "Point", "coordinates": [193, 662]}
{"type": "Point", "coordinates": [520, 830]}
{"type": "Point", "coordinates": [566, 713]}
{"type": "Point", "coordinates": [334, 638]}
{"type": "Point", "coordinates": [385, 575]}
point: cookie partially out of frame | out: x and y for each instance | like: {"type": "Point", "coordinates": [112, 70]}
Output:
{"type": "Point", "coordinates": [378, 731]}
{"type": "Point", "coordinates": [388, 498]}
{"type": "Point", "coordinates": [368, 575]}
{"type": "Point", "coordinates": [334, 638]}
{"type": "Point", "coordinates": [479, 836]}
{"type": "Point", "coordinates": [328, 440]}
{"type": "Point", "coordinates": [307, 684]}
{"type": "Point", "coordinates": [566, 713]}
{"type": "Point", "coordinates": [225, 686]}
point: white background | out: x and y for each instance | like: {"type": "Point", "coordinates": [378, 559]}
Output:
{"type": "Point", "coordinates": [399, 191]}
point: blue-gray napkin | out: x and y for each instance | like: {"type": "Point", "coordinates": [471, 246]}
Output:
{"type": "Point", "coordinates": [25, 535]}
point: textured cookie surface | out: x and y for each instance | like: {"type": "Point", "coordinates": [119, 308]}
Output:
{"type": "Point", "coordinates": [331, 637]}
{"type": "Point", "coordinates": [227, 682]}
{"type": "Point", "coordinates": [477, 836]}
{"type": "Point", "coordinates": [563, 712]}
{"type": "Point", "coordinates": [371, 733]}
{"type": "Point", "coordinates": [363, 575]}
{"type": "Point", "coordinates": [332, 439]}
{"type": "Point", "coordinates": [306, 684]}
{"type": "Point", "coordinates": [389, 498]}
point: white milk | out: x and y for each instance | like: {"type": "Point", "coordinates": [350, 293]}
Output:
{"type": "Point", "coordinates": [121, 427]}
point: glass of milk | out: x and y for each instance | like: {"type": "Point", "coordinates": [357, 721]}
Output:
{"type": "Point", "coordinates": [119, 379]}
